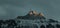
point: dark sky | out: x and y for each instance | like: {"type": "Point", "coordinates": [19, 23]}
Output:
{"type": "Point", "coordinates": [12, 8]}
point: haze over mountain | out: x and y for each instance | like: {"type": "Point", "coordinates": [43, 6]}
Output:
{"type": "Point", "coordinates": [13, 8]}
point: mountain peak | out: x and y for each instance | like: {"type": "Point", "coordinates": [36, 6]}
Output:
{"type": "Point", "coordinates": [32, 13]}
{"type": "Point", "coordinates": [41, 14]}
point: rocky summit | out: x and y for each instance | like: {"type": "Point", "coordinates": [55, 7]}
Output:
{"type": "Point", "coordinates": [30, 20]}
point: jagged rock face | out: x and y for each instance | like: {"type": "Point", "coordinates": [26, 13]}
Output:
{"type": "Point", "coordinates": [32, 15]}
{"type": "Point", "coordinates": [37, 21]}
